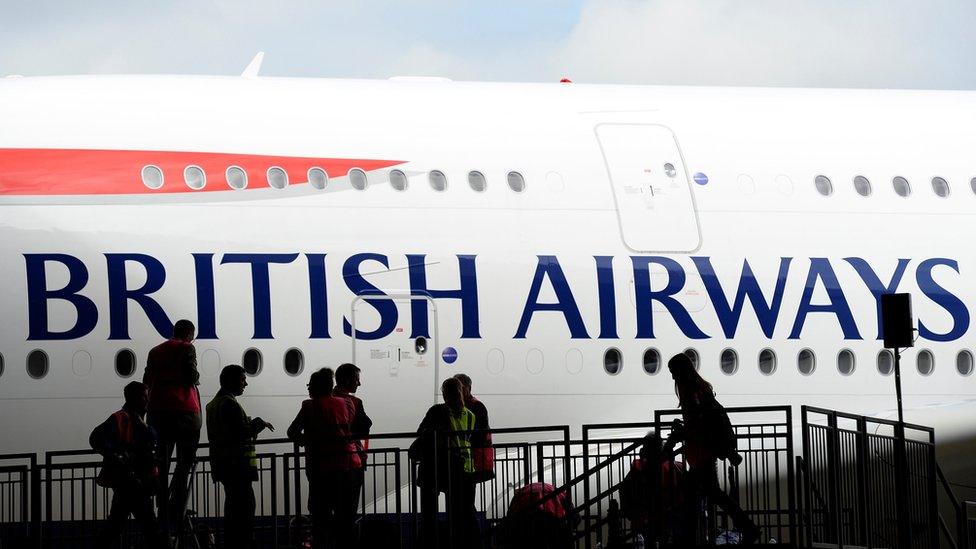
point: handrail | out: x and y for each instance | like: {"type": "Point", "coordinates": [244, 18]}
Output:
{"type": "Point", "coordinates": [882, 421]}
{"type": "Point", "coordinates": [962, 532]}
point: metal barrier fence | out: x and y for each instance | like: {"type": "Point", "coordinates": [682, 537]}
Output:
{"type": "Point", "coordinates": [58, 504]}
{"type": "Point", "coordinates": [764, 483]}
{"type": "Point", "coordinates": [868, 482]}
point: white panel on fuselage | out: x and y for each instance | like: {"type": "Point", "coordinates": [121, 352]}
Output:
{"type": "Point", "coordinates": [651, 188]}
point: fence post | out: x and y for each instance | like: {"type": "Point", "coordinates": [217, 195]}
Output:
{"type": "Point", "coordinates": [933, 495]}
{"type": "Point", "coordinates": [834, 522]}
{"type": "Point", "coordinates": [587, 543]}
{"type": "Point", "coordinates": [790, 474]}
{"type": "Point", "coordinates": [864, 537]}
{"type": "Point", "coordinates": [35, 505]}
{"type": "Point", "coordinates": [901, 489]}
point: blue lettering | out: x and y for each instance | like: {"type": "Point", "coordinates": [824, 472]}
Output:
{"type": "Point", "coordinates": [548, 267]}
{"type": "Point", "coordinates": [943, 298]}
{"type": "Point", "coordinates": [468, 294]}
{"type": "Point", "coordinates": [318, 297]}
{"type": "Point", "coordinates": [820, 269]}
{"type": "Point", "coordinates": [386, 308]}
{"type": "Point", "coordinates": [260, 286]}
{"type": "Point", "coordinates": [206, 300]}
{"type": "Point", "coordinates": [608, 297]}
{"type": "Point", "coordinates": [875, 285]}
{"type": "Point", "coordinates": [728, 316]}
{"type": "Point", "coordinates": [645, 297]}
{"type": "Point", "coordinates": [38, 295]}
{"type": "Point", "coordinates": [119, 294]}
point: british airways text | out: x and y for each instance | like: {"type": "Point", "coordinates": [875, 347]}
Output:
{"type": "Point", "coordinates": [727, 297]}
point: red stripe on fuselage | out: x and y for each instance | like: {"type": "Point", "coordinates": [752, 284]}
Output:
{"type": "Point", "coordinates": [54, 172]}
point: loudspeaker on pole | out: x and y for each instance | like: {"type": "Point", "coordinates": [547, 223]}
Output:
{"type": "Point", "coordinates": [896, 321]}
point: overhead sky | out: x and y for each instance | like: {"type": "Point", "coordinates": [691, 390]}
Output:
{"type": "Point", "coordinates": [926, 44]}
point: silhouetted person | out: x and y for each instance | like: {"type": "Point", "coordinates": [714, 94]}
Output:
{"type": "Point", "coordinates": [233, 459]}
{"type": "Point", "coordinates": [481, 450]}
{"type": "Point", "coordinates": [131, 467]}
{"type": "Point", "coordinates": [347, 379]}
{"type": "Point", "coordinates": [708, 437]}
{"type": "Point", "coordinates": [454, 465]}
{"type": "Point", "coordinates": [174, 412]}
{"type": "Point", "coordinates": [332, 462]}
{"type": "Point", "coordinates": [650, 496]}
{"type": "Point", "coordinates": [534, 525]}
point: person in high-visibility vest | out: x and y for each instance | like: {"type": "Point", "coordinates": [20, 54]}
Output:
{"type": "Point", "coordinates": [443, 429]}
{"type": "Point", "coordinates": [332, 461]}
{"type": "Point", "coordinates": [131, 469]}
{"type": "Point", "coordinates": [347, 382]}
{"type": "Point", "coordinates": [233, 459]}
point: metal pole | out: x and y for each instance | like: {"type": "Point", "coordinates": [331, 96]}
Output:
{"type": "Point", "coordinates": [901, 413]}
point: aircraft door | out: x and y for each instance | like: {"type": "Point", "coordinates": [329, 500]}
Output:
{"type": "Point", "coordinates": [399, 371]}
{"type": "Point", "coordinates": [653, 194]}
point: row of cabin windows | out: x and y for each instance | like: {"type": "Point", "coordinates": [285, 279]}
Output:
{"type": "Point", "coordinates": [38, 363]}
{"type": "Point", "coordinates": [277, 178]}
{"type": "Point", "coordinates": [806, 361]}
{"type": "Point", "coordinates": [901, 186]}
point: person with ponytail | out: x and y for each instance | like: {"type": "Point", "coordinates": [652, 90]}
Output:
{"type": "Point", "coordinates": [708, 436]}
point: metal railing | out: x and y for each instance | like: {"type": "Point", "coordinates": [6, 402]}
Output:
{"type": "Point", "coordinates": [868, 482]}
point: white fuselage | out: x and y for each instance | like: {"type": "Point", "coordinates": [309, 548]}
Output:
{"type": "Point", "coordinates": [531, 258]}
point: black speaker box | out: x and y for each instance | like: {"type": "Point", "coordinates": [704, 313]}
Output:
{"type": "Point", "coordinates": [896, 321]}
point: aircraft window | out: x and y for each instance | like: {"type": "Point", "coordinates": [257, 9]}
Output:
{"type": "Point", "coordinates": [652, 361]}
{"type": "Point", "coordinates": [1, 365]}
{"type": "Point", "coordinates": [438, 181]}
{"type": "Point", "coordinates": [964, 363]}
{"type": "Point", "coordinates": [517, 183]}
{"type": "Point", "coordinates": [358, 180]}
{"type": "Point", "coordinates": [125, 363]}
{"type": "Point", "coordinates": [886, 362]}
{"type": "Point", "coordinates": [612, 361]}
{"type": "Point", "coordinates": [902, 187]}
{"type": "Point", "coordinates": [194, 177]}
{"type": "Point", "coordinates": [862, 185]}
{"type": "Point", "coordinates": [693, 355]}
{"type": "Point", "coordinates": [824, 186]}
{"type": "Point", "coordinates": [806, 362]}
{"type": "Point", "coordinates": [277, 177]}
{"type": "Point", "coordinates": [318, 179]}
{"type": "Point", "coordinates": [845, 362]}
{"type": "Point", "coordinates": [972, 184]}
{"type": "Point", "coordinates": [398, 180]}
{"type": "Point", "coordinates": [37, 364]}
{"type": "Point", "coordinates": [252, 362]}
{"type": "Point", "coordinates": [925, 362]}
{"type": "Point", "coordinates": [767, 362]}
{"type": "Point", "coordinates": [152, 177]}
{"type": "Point", "coordinates": [294, 362]}
{"type": "Point", "coordinates": [729, 362]}
{"type": "Point", "coordinates": [477, 181]}
{"type": "Point", "coordinates": [940, 187]}
{"type": "Point", "coordinates": [236, 178]}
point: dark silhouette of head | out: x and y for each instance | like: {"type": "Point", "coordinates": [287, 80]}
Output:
{"type": "Point", "coordinates": [690, 387]}
{"type": "Point", "coordinates": [347, 377]}
{"type": "Point", "coordinates": [321, 383]}
{"type": "Point", "coordinates": [652, 448]}
{"type": "Point", "coordinates": [465, 385]}
{"type": "Point", "coordinates": [233, 379]}
{"type": "Point", "coordinates": [136, 397]}
{"type": "Point", "coordinates": [452, 393]}
{"type": "Point", "coordinates": [184, 330]}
